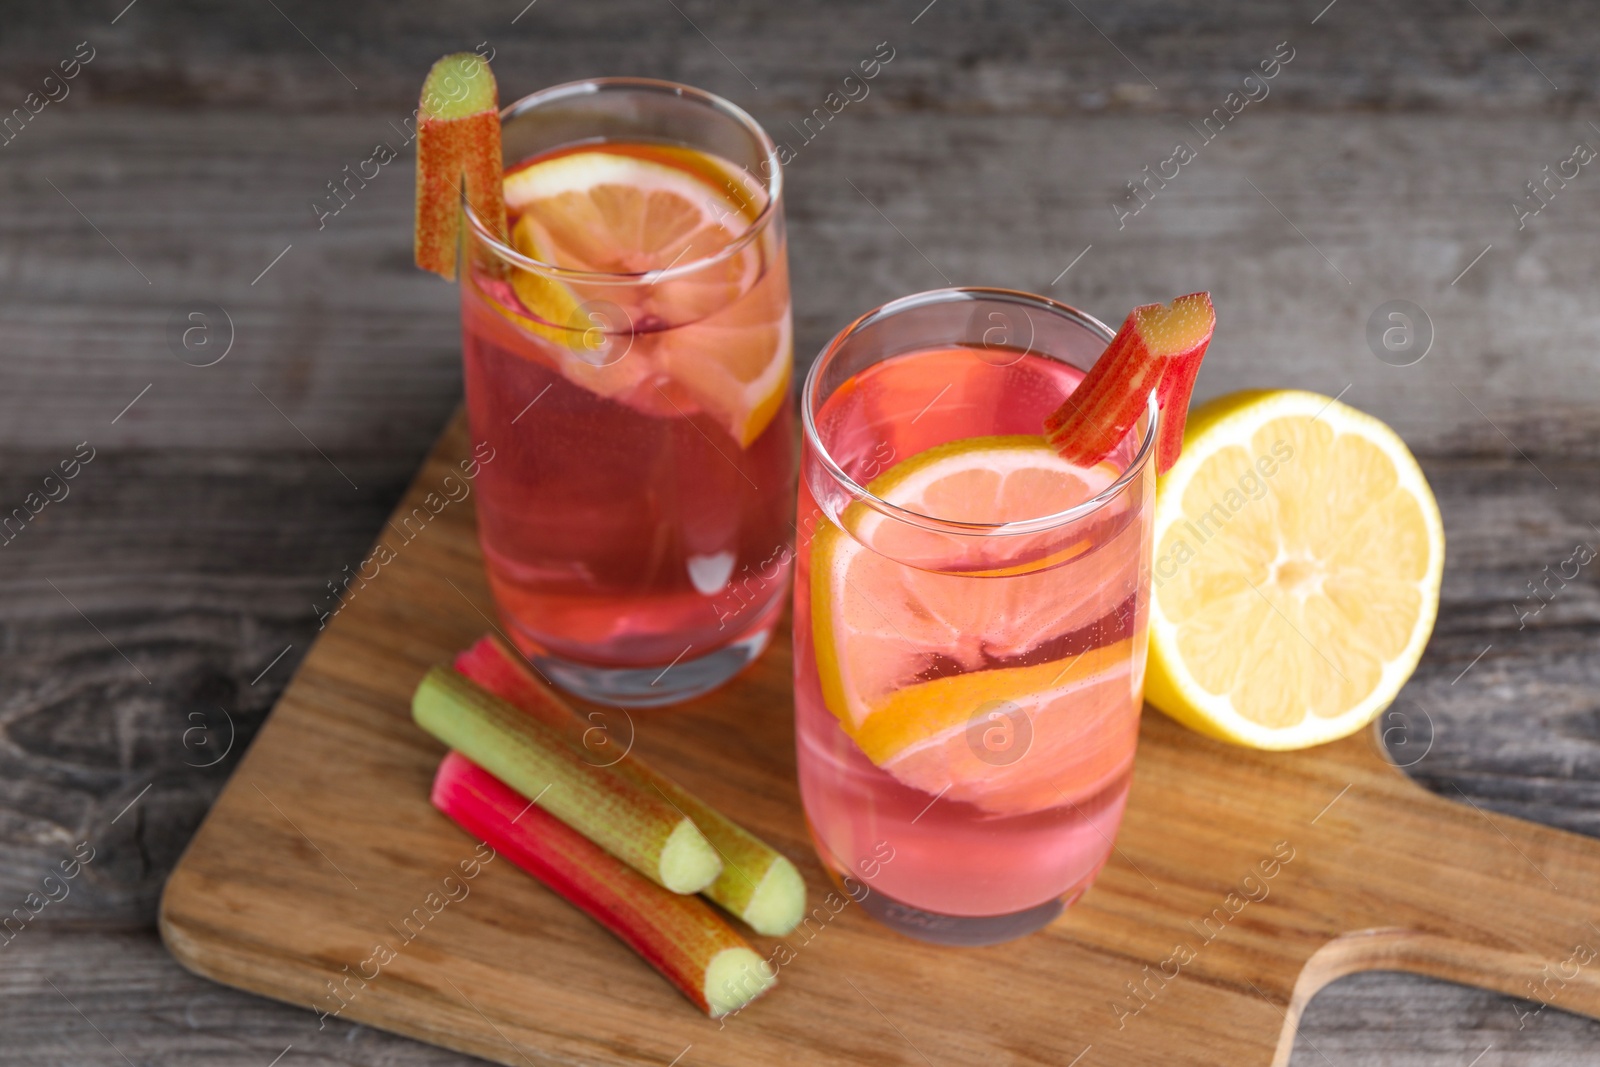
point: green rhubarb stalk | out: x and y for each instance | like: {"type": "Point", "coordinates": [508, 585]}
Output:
{"type": "Point", "coordinates": [680, 936]}
{"type": "Point", "coordinates": [634, 824]}
{"type": "Point", "coordinates": [757, 884]}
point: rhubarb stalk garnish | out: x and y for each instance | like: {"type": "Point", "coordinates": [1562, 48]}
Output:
{"type": "Point", "coordinates": [1158, 348]}
{"type": "Point", "coordinates": [757, 884]}
{"type": "Point", "coordinates": [680, 936]}
{"type": "Point", "coordinates": [458, 151]}
{"type": "Point", "coordinates": [636, 825]}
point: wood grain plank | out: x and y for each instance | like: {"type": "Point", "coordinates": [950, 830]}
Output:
{"type": "Point", "coordinates": [1359, 55]}
{"type": "Point", "coordinates": [344, 345]}
{"type": "Point", "coordinates": [127, 985]}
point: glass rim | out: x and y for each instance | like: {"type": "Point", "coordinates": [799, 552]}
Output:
{"type": "Point", "coordinates": [772, 184]}
{"type": "Point", "coordinates": [1039, 524]}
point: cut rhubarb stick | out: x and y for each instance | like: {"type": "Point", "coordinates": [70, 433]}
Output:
{"type": "Point", "coordinates": [634, 824]}
{"type": "Point", "coordinates": [1158, 348]}
{"type": "Point", "coordinates": [499, 668]}
{"type": "Point", "coordinates": [458, 150]}
{"type": "Point", "coordinates": [757, 884]}
{"type": "Point", "coordinates": [680, 936]}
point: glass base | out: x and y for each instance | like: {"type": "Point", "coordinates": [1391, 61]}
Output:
{"type": "Point", "coordinates": [962, 929]}
{"type": "Point", "coordinates": [941, 929]}
{"type": "Point", "coordinates": [647, 687]}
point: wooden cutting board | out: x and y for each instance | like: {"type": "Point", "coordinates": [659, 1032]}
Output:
{"type": "Point", "coordinates": [1184, 952]}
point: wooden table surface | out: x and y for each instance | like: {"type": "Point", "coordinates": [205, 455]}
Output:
{"type": "Point", "coordinates": [154, 611]}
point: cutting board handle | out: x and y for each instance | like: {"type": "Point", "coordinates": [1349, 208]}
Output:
{"type": "Point", "coordinates": [1483, 899]}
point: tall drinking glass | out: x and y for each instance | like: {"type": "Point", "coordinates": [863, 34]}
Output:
{"type": "Point", "coordinates": [970, 615]}
{"type": "Point", "coordinates": [627, 356]}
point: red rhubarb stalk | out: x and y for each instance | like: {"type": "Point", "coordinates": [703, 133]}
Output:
{"type": "Point", "coordinates": [458, 151]}
{"type": "Point", "coordinates": [680, 936]}
{"type": "Point", "coordinates": [1158, 348]}
{"type": "Point", "coordinates": [757, 884]}
{"type": "Point", "coordinates": [636, 825]}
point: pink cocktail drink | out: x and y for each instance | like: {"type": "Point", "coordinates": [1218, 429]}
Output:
{"type": "Point", "coordinates": [970, 616]}
{"type": "Point", "coordinates": [628, 357]}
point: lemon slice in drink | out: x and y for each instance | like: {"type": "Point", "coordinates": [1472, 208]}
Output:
{"type": "Point", "coordinates": [720, 332]}
{"type": "Point", "coordinates": [555, 304]}
{"type": "Point", "coordinates": [881, 625]}
{"type": "Point", "coordinates": [1298, 556]}
{"type": "Point", "coordinates": [913, 661]}
{"type": "Point", "coordinates": [736, 362]}
{"type": "Point", "coordinates": [616, 212]}
{"type": "Point", "coordinates": [1012, 740]}
{"type": "Point", "coordinates": [588, 347]}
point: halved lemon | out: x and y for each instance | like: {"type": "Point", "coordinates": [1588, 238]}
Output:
{"type": "Point", "coordinates": [1298, 557]}
{"type": "Point", "coordinates": [910, 658]}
